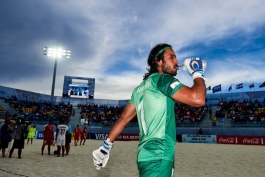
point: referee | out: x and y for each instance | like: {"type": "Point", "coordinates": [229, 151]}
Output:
{"type": "Point", "coordinates": [68, 137]}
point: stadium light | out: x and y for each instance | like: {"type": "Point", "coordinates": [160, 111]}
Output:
{"type": "Point", "coordinates": [55, 53]}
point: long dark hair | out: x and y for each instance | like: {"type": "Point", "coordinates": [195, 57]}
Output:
{"type": "Point", "coordinates": [156, 54]}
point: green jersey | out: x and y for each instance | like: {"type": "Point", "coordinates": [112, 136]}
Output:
{"type": "Point", "coordinates": [156, 117]}
{"type": "Point", "coordinates": [32, 131]}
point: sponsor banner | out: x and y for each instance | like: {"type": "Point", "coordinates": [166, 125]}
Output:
{"type": "Point", "coordinates": [98, 136]}
{"type": "Point", "coordinates": [210, 139]}
{"type": "Point", "coordinates": [128, 137]}
{"type": "Point", "coordinates": [122, 137]}
{"type": "Point", "coordinates": [39, 135]}
{"type": "Point", "coordinates": [243, 140]}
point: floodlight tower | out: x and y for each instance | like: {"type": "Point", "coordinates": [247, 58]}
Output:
{"type": "Point", "coordinates": [55, 53]}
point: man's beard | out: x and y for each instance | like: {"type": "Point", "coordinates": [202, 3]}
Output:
{"type": "Point", "coordinates": [167, 70]}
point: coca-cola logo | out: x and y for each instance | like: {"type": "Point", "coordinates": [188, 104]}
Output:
{"type": "Point", "coordinates": [227, 140]}
{"type": "Point", "coordinates": [251, 141]}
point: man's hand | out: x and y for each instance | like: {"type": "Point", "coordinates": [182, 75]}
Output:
{"type": "Point", "coordinates": [196, 67]}
{"type": "Point", "coordinates": [101, 155]}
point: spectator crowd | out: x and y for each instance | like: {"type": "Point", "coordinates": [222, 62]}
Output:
{"type": "Point", "coordinates": [246, 111]}
{"type": "Point", "coordinates": [106, 115]}
{"type": "Point", "coordinates": [39, 110]}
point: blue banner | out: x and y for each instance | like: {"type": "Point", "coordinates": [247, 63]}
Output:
{"type": "Point", "coordinates": [39, 135]}
{"type": "Point", "coordinates": [217, 88]}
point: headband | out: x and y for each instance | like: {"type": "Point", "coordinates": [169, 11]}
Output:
{"type": "Point", "coordinates": [162, 50]}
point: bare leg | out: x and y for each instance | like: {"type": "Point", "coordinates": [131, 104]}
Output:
{"type": "Point", "coordinates": [19, 153]}
{"type": "Point", "coordinates": [28, 141]}
{"type": "Point", "coordinates": [49, 150]}
{"type": "Point", "coordinates": [67, 148]}
{"type": "Point", "coordinates": [58, 150]}
{"type": "Point", "coordinates": [4, 152]}
{"type": "Point", "coordinates": [11, 152]}
{"type": "Point", "coordinates": [63, 151]}
{"type": "Point", "coordinates": [42, 149]}
{"type": "Point", "coordinates": [84, 141]}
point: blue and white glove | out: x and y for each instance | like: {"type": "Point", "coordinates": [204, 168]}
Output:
{"type": "Point", "coordinates": [101, 155]}
{"type": "Point", "coordinates": [196, 67]}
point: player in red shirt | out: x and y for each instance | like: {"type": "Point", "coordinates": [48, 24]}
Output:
{"type": "Point", "coordinates": [83, 136]}
{"type": "Point", "coordinates": [48, 137]}
{"type": "Point", "coordinates": [77, 132]}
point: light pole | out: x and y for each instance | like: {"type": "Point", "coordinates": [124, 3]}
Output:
{"type": "Point", "coordinates": [55, 53]}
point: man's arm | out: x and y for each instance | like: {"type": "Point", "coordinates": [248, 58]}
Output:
{"type": "Point", "coordinates": [194, 96]}
{"type": "Point", "coordinates": [128, 114]}
{"type": "Point", "coordinates": [101, 155]}
{"type": "Point", "coordinates": [44, 131]}
{"type": "Point", "coordinates": [57, 130]}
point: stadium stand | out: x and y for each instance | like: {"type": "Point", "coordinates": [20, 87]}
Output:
{"type": "Point", "coordinates": [39, 112]}
{"type": "Point", "coordinates": [2, 112]}
{"type": "Point", "coordinates": [246, 113]}
{"type": "Point", "coordinates": [105, 116]}
{"type": "Point", "coordinates": [232, 113]}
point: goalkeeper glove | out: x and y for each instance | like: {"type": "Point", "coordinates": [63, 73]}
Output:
{"type": "Point", "coordinates": [101, 155]}
{"type": "Point", "coordinates": [196, 67]}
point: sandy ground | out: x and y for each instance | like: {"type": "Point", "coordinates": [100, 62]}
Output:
{"type": "Point", "coordinates": [192, 160]}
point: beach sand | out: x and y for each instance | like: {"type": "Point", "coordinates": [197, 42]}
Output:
{"type": "Point", "coordinates": [192, 160]}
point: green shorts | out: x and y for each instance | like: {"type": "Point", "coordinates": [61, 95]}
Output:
{"type": "Point", "coordinates": [156, 168]}
{"type": "Point", "coordinates": [31, 136]}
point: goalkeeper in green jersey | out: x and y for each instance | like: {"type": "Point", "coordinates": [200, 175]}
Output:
{"type": "Point", "coordinates": [153, 103]}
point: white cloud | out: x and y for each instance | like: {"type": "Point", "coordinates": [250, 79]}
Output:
{"type": "Point", "coordinates": [112, 29]}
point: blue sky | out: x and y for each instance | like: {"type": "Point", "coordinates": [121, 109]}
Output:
{"type": "Point", "coordinates": [110, 41]}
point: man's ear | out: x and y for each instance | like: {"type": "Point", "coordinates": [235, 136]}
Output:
{"type": "Point", "coordinates": [159, 63]}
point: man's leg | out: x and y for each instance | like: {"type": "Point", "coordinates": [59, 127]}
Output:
{"type": "Point", "coordinates": [11, 151]}
{"type": "Point", "coordinates": [49, 149]}
{"type": "Point", "coordinates": [156, 168]}
{"type": "Point", "coordinates": [42, 149]}
{"type": "Point", "coordinates": [58, 151]}
{"type": "Point", "coordinates": [62, 151]}
{"type": "Point", "coordinates": [19, 153]}
{"type": "Point", "coordinates": [3, 152]}
{"type": "Point", "coordinates": [66, 148]}
{"type": "Point", "coordinates": [77, 140]}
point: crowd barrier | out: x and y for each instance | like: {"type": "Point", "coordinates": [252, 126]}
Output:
{"type": "Point", "coordinates": [224, 139]}
{"type": "Point", "coordinates": [189, 138]}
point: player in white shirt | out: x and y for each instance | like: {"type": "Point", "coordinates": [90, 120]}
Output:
{"type": "Point", "coordinates": [61, 131]}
